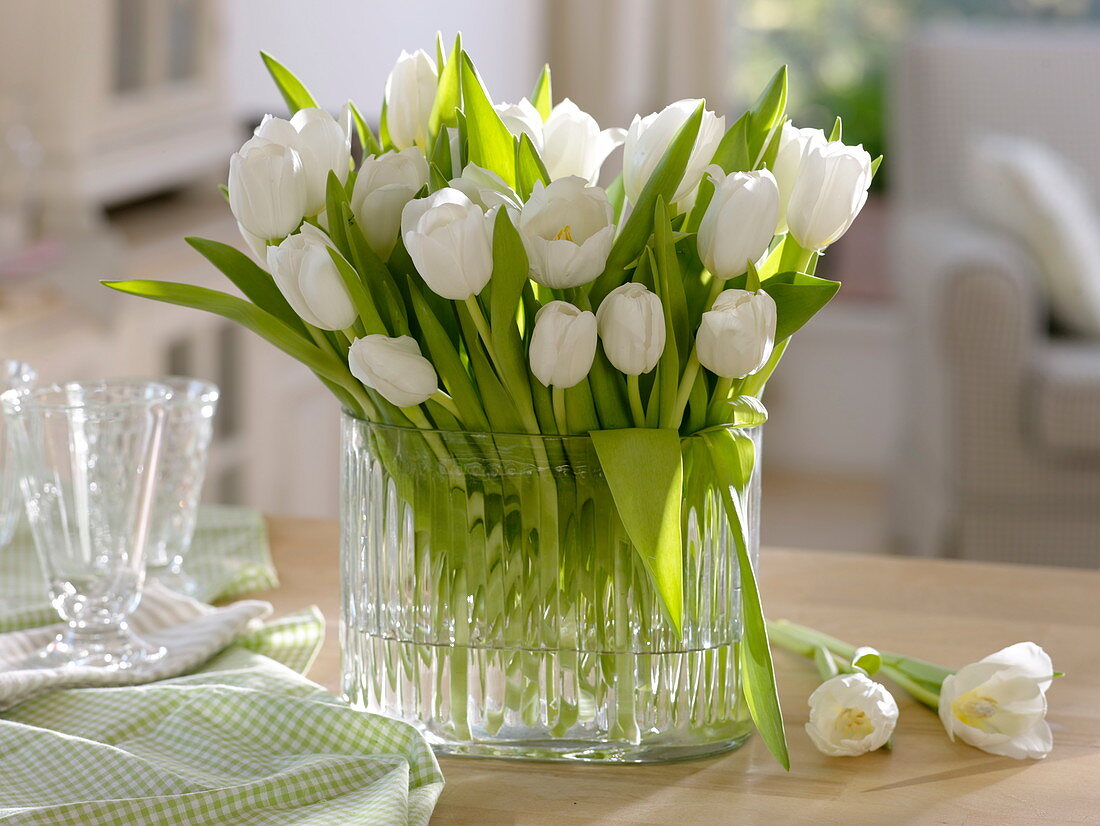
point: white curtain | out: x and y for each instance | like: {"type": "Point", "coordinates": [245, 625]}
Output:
{"type": "Point", "coordinates": [616, 58]}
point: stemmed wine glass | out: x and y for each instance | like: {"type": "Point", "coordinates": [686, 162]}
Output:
{"type": "Point", "coordinates": [87, 456]}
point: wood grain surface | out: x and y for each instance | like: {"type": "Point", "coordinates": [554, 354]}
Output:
{"type": "Point", "coordinates": [945, 611]}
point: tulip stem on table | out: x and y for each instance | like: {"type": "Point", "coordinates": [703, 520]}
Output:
{"type": "Point", "coordinates": [807, 642]}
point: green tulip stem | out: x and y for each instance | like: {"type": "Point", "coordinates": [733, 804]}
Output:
{"type": "Point", "coordinates": [675, 415]}
{"type": "Point", "coordinates": [482, 326]}
{"type": "Point", "coordinates": [634, 391]}
{"type": "Point", "coordinates": [350, 383]}
{"type": "Point", "coordinates": [561, 418]}
{"type": "Point", "coordinates": [351, 334]}
{"type": "Point", "coordinates": [807, 642]}
{"type": "Point", "coordinates": [718, 401]}
{"type": "Point", "coordinates": [447, 403]}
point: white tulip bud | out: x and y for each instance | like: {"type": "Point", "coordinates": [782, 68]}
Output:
{"type": "Point", "coordinates": [267, 188]}
{"type": "Point", "coordinates": [830, 190]}
{"type": "Point", "coordinates": [999, 704]}
{"type": "Point", "coordinates": [648, 138]}
{"type": "Point", "coordinates": [410, 94]}
{"type": "Point", "coordinates": [567, 230]}
{"type": "Point", "coordinates": [631, 323]}
{"type": "Point", "coordinates": [794, 143]}
{"type": "Point", "coordinates": [384, 184]}
{"type": "Point", "coordinates": [563, 344]}
{"type": "Point", "coordinates": [522, 119]}
{"type": "Point", "coordinates": [737, 334]}
{"type": "Point", "coordinates": [305, 274]}
{"type": "Point", "coordinates": [394, 367]}
{"type": "Point", "coordinates": [450, 240]}
{"type": "Point", "coordinates": [851, 714]}
{"type": "Point", "coordinates": [321, 142]}
{"type": "Point", "coordinates": [739, 222]}
{"type": "Point", "coordinates": [486, 188]}
{"type": "Point", "coordinates": [572, 143]}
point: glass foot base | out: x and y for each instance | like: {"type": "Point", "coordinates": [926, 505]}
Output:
{"type": "Point", "coordinates": [117, 649]}
{"type": "Point", "coordinates": [582, 751]}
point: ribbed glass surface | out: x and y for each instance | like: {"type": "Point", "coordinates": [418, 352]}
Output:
{"type": "Point", "coordinates": [492, 599]}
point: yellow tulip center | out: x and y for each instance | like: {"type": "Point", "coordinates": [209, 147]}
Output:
{"type": "Point", "coordinates": [853, 724]}
{"type": "Point", "coordinates": [975, 710]}
{"type": "Point", "coordinates": [564, 234]}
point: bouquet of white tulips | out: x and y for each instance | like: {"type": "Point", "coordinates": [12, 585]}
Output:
{"type": "Point", "coordinates": [466, 271]}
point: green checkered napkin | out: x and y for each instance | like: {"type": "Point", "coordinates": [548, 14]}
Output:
{"type": "Point", "coordinates": [229, 556]}
{"type": "Point", "coordinates": [244, 740]}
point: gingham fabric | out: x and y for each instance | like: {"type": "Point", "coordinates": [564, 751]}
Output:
{"type": "Point", "coordinates": [190, 632]}
{"type": "Point", "coordinates": [229, 556]}
{"type": "Point", "coordinates": [243, 741]}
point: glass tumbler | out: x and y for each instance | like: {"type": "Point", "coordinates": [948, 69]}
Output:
{"type": "Point", "coordinates": [14, 375]}
{"type": "Point", "coordinates": [87, 456]}
{"type": "Point", "coordinates": [188, 427]}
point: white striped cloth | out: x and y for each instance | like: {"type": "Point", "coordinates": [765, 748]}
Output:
{"type": "Point", "coordinates": [190, 631]}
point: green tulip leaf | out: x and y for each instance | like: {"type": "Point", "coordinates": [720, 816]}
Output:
{"type": "Point", "coordinates": [644, 471]}
{"type": "Point", "coordinates": [867, 660]}
{"type": "Point", "coordinates": [510, 270]}
{"type": "Point", "coordinates": [367, 140]}
{"type": "Point", "coordinates": [244, 313]}
{"type": "Point", "coordinates": [447, 361]}
{"type": "Point", "coordinates": [529, 167]}
{"type": "Point", "coordinates": [541, 97]}
{"type": "Point", "coordinates": [837, 132]}
{"type": "Point", "coordinates": [257, 286]}
{"type": "Point", "coordinates": [491, 145]}
{"type": "Point", "coordinates": [798, 298]}
{"type": "Point", "coordinates": [294, 93]}
{"type": "Point", "coordinates": [448, 94]}
{"type": "Point", "coordinates": [634, 233]}
{"type": "Point", "coordinates": [731, 455]}
{"type": "Point", "coordinates": [360, 298]}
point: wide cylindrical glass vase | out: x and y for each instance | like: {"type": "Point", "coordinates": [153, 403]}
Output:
{"type": "Point", "coordinates": [492, 598]}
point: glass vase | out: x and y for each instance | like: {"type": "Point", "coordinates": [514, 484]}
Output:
{"type": "Point", "coordinates": [491, 598]}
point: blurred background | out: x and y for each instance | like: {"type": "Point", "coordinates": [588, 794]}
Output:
{"type": "Point", "coordinates": [947, 403]}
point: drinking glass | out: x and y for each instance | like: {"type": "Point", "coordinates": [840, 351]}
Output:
{"type": "Point", "coordinates": [87, 456]}
{"type": "Point", "coordinates": [188, 427]}
{"type": "Point", "coordinates": [18, 376]}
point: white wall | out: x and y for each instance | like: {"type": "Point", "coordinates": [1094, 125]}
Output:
{"type": "Point", "coordinates": [345, 48]}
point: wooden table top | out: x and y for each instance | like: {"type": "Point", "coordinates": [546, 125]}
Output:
{"type": "Point", "coordinates": [945, 611]}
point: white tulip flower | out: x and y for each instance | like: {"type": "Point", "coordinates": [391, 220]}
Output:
{"type": "Point", "coordinates": [739, 222]}
{"type": "Point", "coordinates": [999, 703]}
{"type": "Point", "coordinates": [830, 190]}
{"type": "Point", "coordinates": [737, 334]}
{"type": "Point", "coordinates": [305, 274]}
{"type": "Point", "coordinates": [631, 323]}
{"type": "Point", "coordinates": [384, 185]}
{"type": "Point", "coordinates": [851, 714]}
{"type": "Point", "coordinates": [450, 240]}
{"type": "Point", "coordinates": [794, 143]}
{"type": "Point", "coordinates": [267, 188]}
{"type": "Point", "coordinates": [256, 245]}
{"type": "Point", "coordinates": [410, 94]}
{"type": "Point", "coordinates": [563, 344]}
{"type": "Point", "coordinates": [486, 188]}
{"type": "Point", "coordinates": [573, 144]}
{"type": "Point", "coordinates": [648, 138]}
{"type": "Point", "coordinates": [522, 119]}
{"type": "Point", "coordinates": [394, 367]}
{"type": "Point", "coordinates": [321, 142]}
{"type": "Point", "coordinates": [567, 230]}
